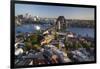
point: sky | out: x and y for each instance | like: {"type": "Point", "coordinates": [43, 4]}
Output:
{"type": "Point", "coordinates": [55, 11]}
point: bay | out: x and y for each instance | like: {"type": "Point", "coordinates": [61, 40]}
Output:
{"type": "Point", "coordinates": [32, 28]}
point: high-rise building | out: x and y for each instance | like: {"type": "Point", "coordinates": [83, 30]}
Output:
{"type": "Point", "coordinates": [20, 16]}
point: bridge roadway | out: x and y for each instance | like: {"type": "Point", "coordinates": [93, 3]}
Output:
{"type": "Point", "coordinates": [53, 28]}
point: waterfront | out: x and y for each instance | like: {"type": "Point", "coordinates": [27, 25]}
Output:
{"type": "Point", "coordinates": [31, 28]}
{"type": "Point", "coordinates": [32, 48]}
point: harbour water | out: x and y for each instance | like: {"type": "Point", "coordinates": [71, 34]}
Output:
{"type": "Point", "coordinates": [83, 31]}
{"type": "Point", "coordinates": [78, 31]}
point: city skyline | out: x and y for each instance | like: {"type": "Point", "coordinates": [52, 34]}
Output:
{"type": "Point", "coordinates": [55, 11]}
